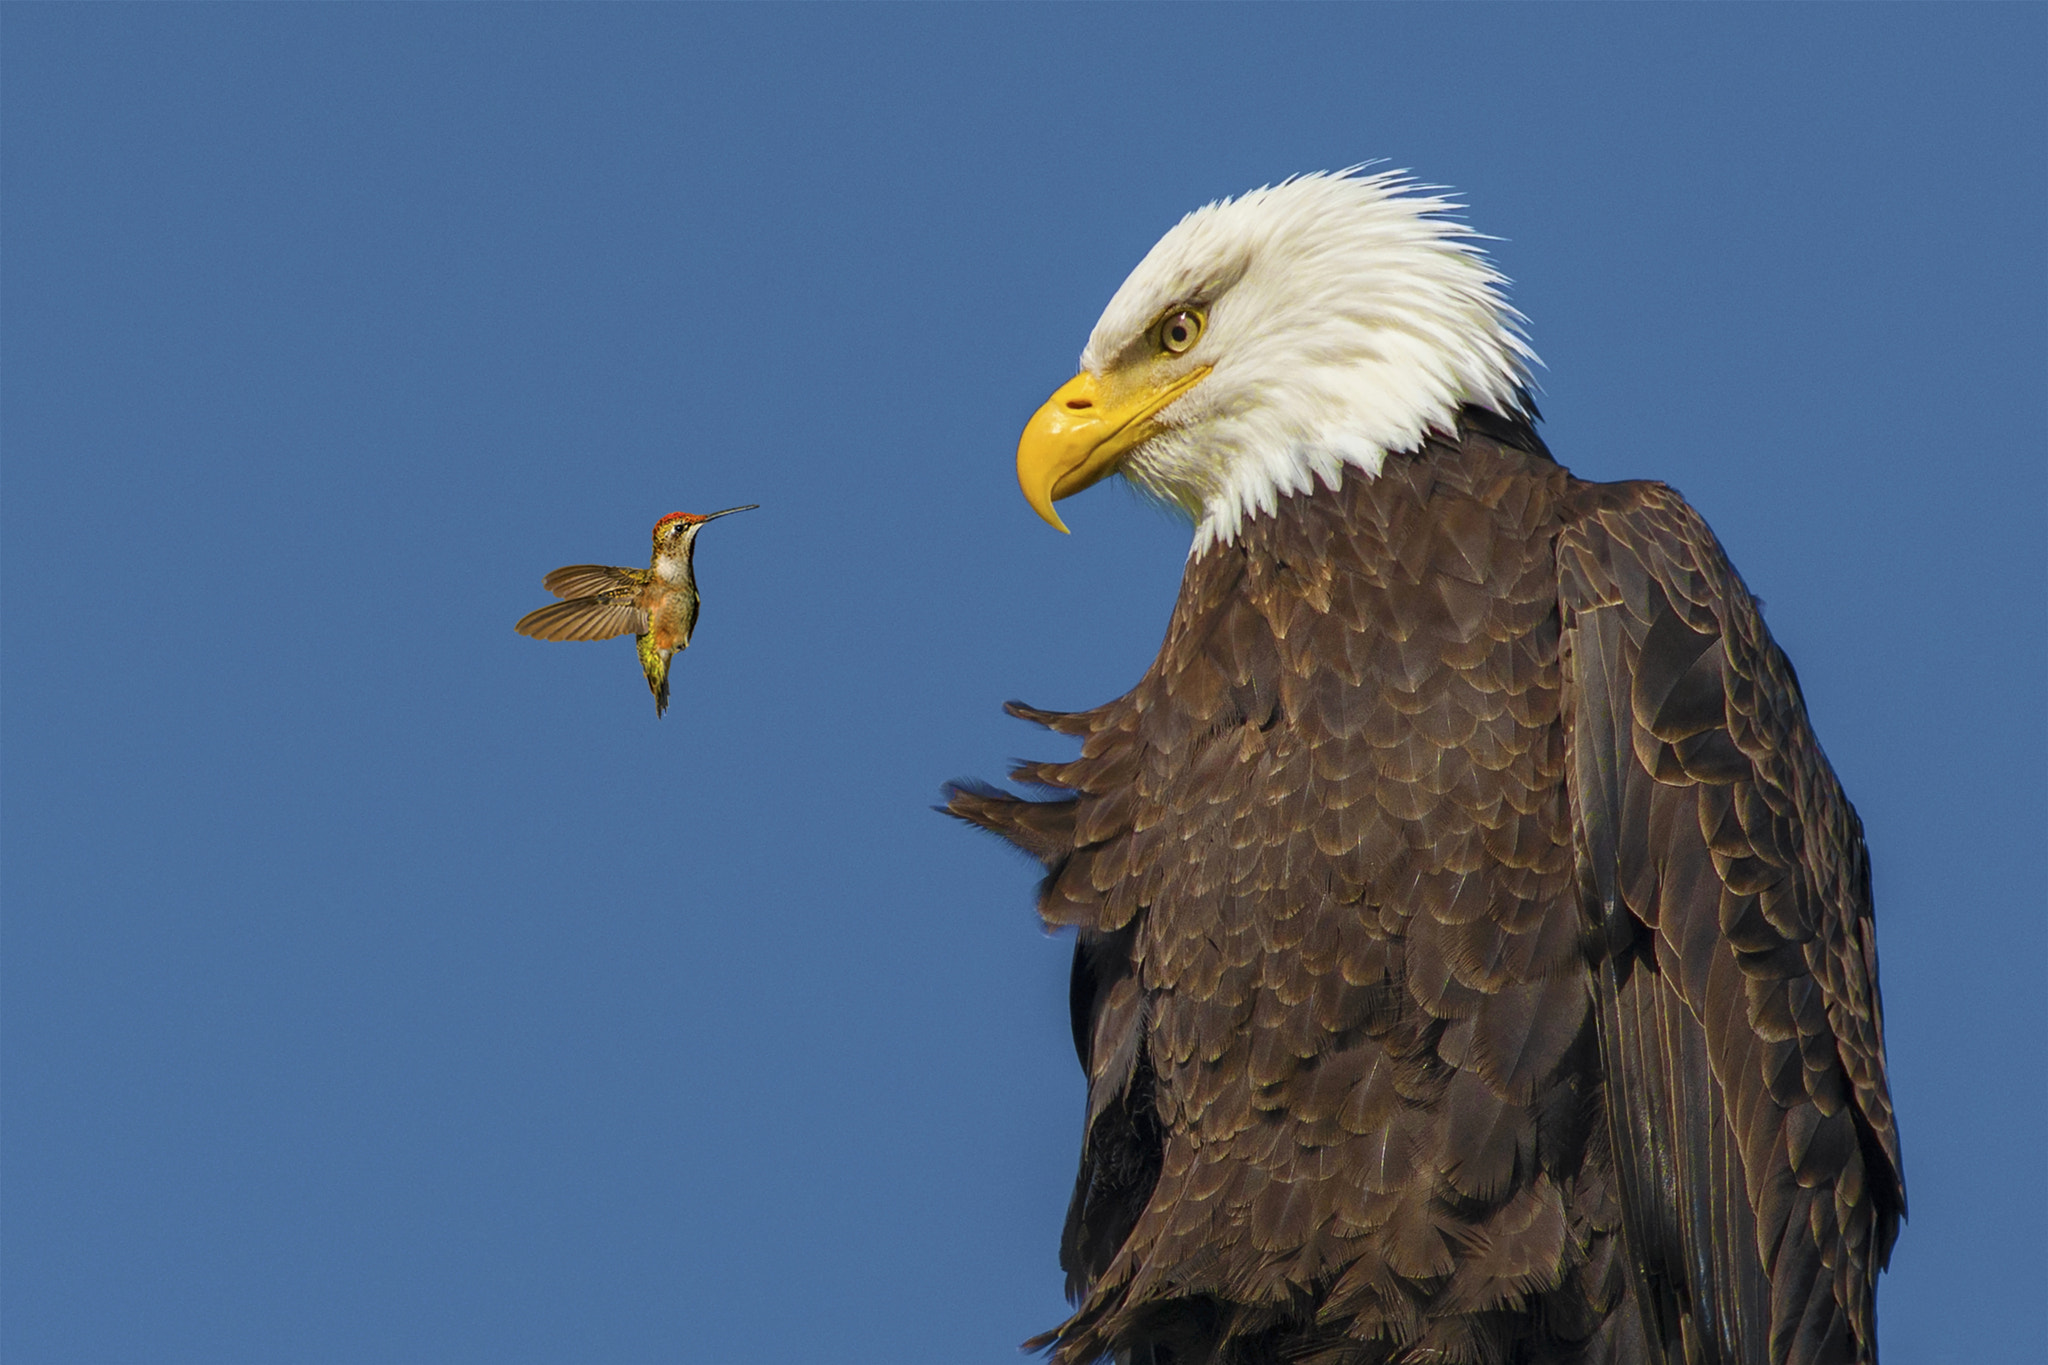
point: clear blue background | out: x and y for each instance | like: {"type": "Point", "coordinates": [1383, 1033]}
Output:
{"type": "Point", "coordinates": [383, 987]}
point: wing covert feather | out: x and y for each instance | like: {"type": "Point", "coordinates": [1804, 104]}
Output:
{"type": "Point", "coordinates": [1740, 1029]}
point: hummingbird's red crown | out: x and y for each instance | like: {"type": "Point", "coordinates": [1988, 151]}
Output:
{"type": "Point", "coordinates": [698, 519]}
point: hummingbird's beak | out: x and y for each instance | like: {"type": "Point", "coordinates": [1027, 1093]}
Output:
{"type": "Point", "coordinates": [713, 516]}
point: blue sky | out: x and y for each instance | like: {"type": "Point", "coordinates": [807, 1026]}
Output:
{"type": "Point", "coordinates": [380, 986]}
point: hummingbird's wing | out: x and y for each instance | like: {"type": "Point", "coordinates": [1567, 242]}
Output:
{"type": "Point", "coordinates": [593, 580]}
{"type": "Point", "coordinates": [583, 618]}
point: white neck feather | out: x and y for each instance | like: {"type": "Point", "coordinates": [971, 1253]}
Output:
{"type": "Point", "coordinates": [1347, 319]}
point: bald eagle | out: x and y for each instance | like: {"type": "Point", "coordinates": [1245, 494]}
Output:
{"type": "Point", "coordinates": [1475, 957]}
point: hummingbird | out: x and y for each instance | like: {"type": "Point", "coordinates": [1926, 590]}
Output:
{"type": "Point", "coordinates": [658, 604]}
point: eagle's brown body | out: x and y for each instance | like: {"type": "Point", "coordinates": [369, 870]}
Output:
{"type": "Point", "coordinates": [1475, 955]}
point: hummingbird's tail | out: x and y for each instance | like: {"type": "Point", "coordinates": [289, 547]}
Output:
{"type": "Point", "coordinates": [654, 663]}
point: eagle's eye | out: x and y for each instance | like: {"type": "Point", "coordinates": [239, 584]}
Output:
{"type": "Point", "coordinates": [1180, 330]}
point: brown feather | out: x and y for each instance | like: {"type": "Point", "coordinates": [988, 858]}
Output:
{"type": "Point", "coordinates": [583, 618]}
{"type": "Point", "coordinates": [1474, 953]}
{"type": "Point", "coordinates": [594, 580]}
{"type": "Point", "coordinates": [1720, 1123]}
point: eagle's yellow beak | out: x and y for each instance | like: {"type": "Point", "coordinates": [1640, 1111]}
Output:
{"type": "Point", "coordinates": [1083, 431]}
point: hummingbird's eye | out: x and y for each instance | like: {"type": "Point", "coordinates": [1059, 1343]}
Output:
{"type": "Point", "coordinates": [1180, 330]}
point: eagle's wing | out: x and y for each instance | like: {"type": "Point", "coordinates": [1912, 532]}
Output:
{"type": "Point", "coordinates": [1739, 1025]}
{"type": "Point", "coordinates": [591, 580]}
{"type": "Point", "coordinates": [583, 618]}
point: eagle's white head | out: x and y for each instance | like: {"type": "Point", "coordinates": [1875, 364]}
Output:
{"type": "Point", "coordinates": [1271, 340]}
